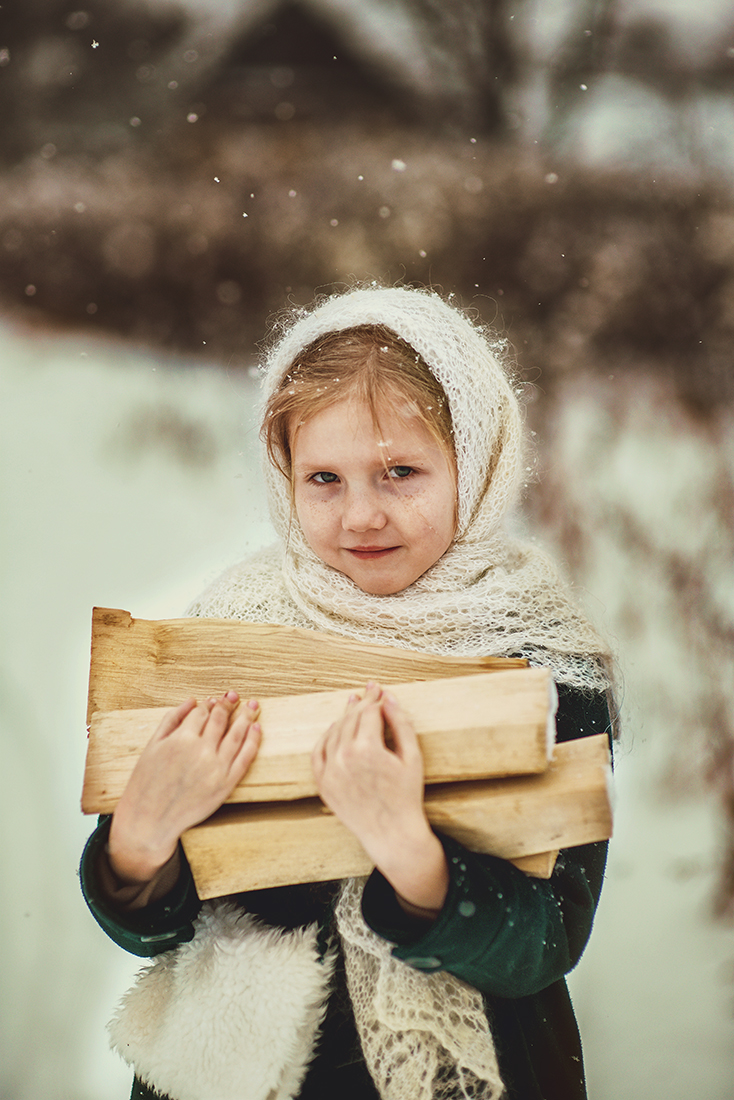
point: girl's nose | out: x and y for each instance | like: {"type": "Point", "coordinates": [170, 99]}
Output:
{"type": "Point", "coordinates": [363, 511]}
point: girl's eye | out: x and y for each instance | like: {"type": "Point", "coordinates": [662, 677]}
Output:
{"type": "Point", "coordinates": [324, 477]}
{"type": "Point", "coordinates": [399, 472]}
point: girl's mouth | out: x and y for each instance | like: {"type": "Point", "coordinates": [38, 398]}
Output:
{"type": "Point", "coordinates": [370, 553]}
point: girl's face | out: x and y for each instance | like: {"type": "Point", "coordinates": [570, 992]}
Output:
{"type": "Point", "coordinates": [378, 504]}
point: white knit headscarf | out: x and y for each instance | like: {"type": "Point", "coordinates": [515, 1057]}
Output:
{"type": "Point", "coordinates": [489, 593]}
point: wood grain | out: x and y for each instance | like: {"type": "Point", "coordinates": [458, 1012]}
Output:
{"type": "Point", "coordinates": [470, 727]}
{"type": "Point", "coordinates": [253, 847]}
{"type": "Point", "coordinates": [158, 663]}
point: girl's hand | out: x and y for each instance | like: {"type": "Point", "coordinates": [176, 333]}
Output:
{"type": "Point", "coordinates": [376, 789]}
{"type": "Point", "coordinates": [191, 764]}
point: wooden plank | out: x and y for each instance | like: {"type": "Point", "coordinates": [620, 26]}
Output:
{"type": "Point", "coordinates": [277, 844]}
{"type": "Point", "coordinates": [538, 866]}
{"type": "Point", "coordinates": [470, 727]}
{"type": "Point", "coordinates": [155, 663]}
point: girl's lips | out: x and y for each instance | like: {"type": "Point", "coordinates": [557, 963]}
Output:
{"type": "Point", "coordinates": [370, 553]}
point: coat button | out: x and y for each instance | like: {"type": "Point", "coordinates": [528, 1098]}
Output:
{"type": "Point", "coordinates": [424, 962]}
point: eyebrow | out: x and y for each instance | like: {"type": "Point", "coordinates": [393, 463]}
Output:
{"type": "Point", "coordinates": [397, 457]}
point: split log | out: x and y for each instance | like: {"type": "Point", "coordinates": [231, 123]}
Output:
{"type": "Point", "coordinates": [470, 727]}
{"type": "Point", "coordinates": [158, 663]}
{"type": "Point", "coordinates": [252, 847]}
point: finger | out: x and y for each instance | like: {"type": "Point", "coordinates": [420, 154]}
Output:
{"type": "Point", "coordinates": [243, 712]}
{"type": "Point", "coordinates": [356, 706]}
{"type": "Point", "coordinates": [247, 751]}
{"type": "Point", "coordinates": [368, 714]}
{"type": "Point", "coordinates": [219, 717]}
{"type": "Point", "coordinates": [405, 738]}
{"type": "Point", "coordinates": [372, 696]}
{"type": "Point", "coordinates": [173, 719]}
{"type": "Point", "coordinates": [237, 731]}
{"type": "Point", "coordinates": [318, 755]}
{"type": "Point", "coordinates": [197, 718]}
{"type": "Point", "coordinates": [370, 727]}
{"type": "Point", "coordinates": [370, 693]}
{"type": "Point", "coordinates": [343, 730]}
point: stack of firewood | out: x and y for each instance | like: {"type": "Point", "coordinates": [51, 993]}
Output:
{"type": "Point", "coordinates": [495, 779]}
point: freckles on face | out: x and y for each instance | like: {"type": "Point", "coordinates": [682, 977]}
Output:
{"type": "Point", "coordinates": [378, 503]}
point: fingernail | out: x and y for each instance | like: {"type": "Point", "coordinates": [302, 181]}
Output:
{"type": "Point", "coordinates": [256, 728]}
{"type": "Point", "coordinates": [253, 704]}
{"type": "Point", "coordinates": [354, 698]}
{"type": "Point", "coordinates": [232, 696]}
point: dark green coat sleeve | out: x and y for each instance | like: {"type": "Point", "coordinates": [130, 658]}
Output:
{"type": "Point", "coordinates": [145, 932]}
{"type": "Point", "coordinates": [503, 932]}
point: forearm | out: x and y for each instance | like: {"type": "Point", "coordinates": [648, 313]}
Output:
{"type": "Point", "coordinates": [417, 870]}
{"type": "Point", "coordinates": [136, 862]}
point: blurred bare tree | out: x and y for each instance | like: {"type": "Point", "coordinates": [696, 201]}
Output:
{"type": "Point", "coordinates": [173, 171]}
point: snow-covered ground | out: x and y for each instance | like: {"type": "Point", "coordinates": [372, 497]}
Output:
{"type": "Point", "coordinates": [128, 481]}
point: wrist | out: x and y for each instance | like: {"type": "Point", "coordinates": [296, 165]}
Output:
{"type": "Point", "coordinates": [420, 912]}
{"type": "Point", "coordinates": [127, 893]}
{"type": "Point", "coordinates": [136, 862]}
{"type": "Point", "coordinates": [417, 870]}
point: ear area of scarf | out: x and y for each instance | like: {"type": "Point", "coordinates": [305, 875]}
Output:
{"type": "Point", "coordinates": [232, 1015]}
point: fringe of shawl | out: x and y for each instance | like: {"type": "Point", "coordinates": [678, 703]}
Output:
{"type": "Point", "coordinates": [424, 1036]}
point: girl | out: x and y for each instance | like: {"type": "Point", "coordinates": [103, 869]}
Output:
{"type": "Point", "coordinates": [394, 446]}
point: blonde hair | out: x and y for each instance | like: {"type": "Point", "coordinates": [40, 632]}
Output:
{"type": "Point", "coordinates": [366, 362]}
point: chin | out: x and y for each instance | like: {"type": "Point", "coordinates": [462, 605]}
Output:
{"type": "Point", "coordinates": [380, 587]}
{"type": "Point", "coordinates": [380, 590]}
